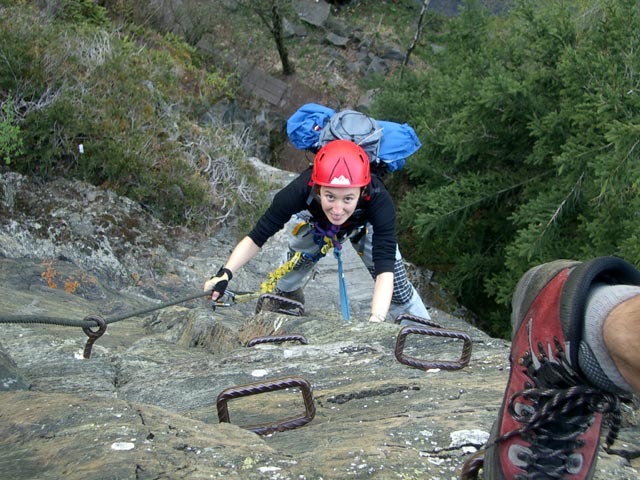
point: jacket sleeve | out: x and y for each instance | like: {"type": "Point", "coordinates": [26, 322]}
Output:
{"type": "Point", "coordinates": [287, 202]}
{"type": "Point", "coordinates": [382, 217]}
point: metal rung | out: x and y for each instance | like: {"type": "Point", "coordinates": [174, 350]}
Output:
{"type": "Point", "coordinates": [436, 332]}
{"type": "Point", "coordinates": [270, 386]}
{"type": "Point", "coordinates": [277, 339]}
{"type": "Point", "coordinates": [416, 319]}
{"type": "Point", "coordinates": [290, 307]}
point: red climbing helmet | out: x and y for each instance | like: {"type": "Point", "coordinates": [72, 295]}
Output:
{"type": "Point", "coordinates": [341, 163]}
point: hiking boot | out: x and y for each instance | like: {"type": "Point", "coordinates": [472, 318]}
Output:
{"type": "Point", "coordinates": [296, 295]}
{"type": "Point", "coordinates": [550, 420]}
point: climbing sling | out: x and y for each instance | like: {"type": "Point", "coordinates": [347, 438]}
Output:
{"type": "Point", "coordinates": [269, 285]}
{"type": "Point", "coordinates": [328, 239]}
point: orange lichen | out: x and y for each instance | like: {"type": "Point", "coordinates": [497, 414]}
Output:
{"type": "Point", "coordinates": [71, 283]}
{"type": "Point", "coordinates": [49, 274]}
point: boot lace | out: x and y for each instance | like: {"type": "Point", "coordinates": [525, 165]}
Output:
{"type": "Point", "coordinates": [555, 410]}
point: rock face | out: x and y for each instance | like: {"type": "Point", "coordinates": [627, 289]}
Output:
{"type": "Point", "coordinates": [146, 404]}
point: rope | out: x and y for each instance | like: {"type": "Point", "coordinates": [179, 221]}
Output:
{"type": "Point", "coordinates": [144, 311]}
{"type": "Point", "coordinates": [24, 319]}
{"type": "Point", "coordinates": [344, 299]}
{"type": "Point", "coordinates": [320, 237]}
{"type": "Point", "coordinates": [327, 239]}
{"type": "Point", "coordinates": [93, 321]}
{"type": "Point", "coordinates": [46, 320]}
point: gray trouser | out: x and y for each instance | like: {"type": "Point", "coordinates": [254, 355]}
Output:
{"type": "Point", "coordinates": [405, 298]}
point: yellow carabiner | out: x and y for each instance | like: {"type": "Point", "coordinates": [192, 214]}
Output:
{"type": "Point", "coordinates": [328, 245]}
{"type": "Point", "coordinates": [297, 228]}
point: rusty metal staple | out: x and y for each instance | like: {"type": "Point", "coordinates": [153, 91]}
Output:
{"type": "Point", "coordinates": [414, 318]}
{"type": "Point", "coordinates": [270, 386]}
{"type": "Point", "coordinates": [297, 308]}
{"type": "Point", "coordinates": [436, 332]}
{"type": "Point", "coordinates": [277, 339]}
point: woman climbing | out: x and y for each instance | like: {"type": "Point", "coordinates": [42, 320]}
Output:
{"type": "Point", "coordinates": [335, 200]}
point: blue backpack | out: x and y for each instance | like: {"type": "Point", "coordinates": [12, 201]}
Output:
{"type": "Point", "coordinates": [387, 144]}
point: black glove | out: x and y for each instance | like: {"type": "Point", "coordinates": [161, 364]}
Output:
{"type": "Point", "coordinates": [222, 279]}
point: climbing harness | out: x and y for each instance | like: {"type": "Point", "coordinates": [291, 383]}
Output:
{"type": "Point", "coordinates": [326, 239]}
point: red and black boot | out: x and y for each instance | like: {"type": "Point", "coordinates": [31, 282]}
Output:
{"type": "Point", "coordinates": [551, 417]}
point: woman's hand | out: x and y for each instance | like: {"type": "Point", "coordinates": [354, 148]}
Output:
{"type": "Point", "coordinates": [218, 283]}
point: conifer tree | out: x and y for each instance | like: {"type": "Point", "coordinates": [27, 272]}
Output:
{"type": "Point", "coordinates": [531, 130]}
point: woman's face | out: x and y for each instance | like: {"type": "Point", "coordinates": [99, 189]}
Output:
{"type": "Point", "coordinates": [339, 203]}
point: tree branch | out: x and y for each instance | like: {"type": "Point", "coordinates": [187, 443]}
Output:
{"type": "Point", "coordinates": [418, 34]}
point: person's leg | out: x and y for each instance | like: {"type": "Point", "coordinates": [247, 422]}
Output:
{"type": "Point", "coordinates": [608, 310]}
{"type": "Point", "coordinates": [622, 338]}
{"type": "Point", "coordinates": [405, 297]}
{"type": "Point", "coordinates": [552, 412]}
{"type": "Point", "coordinates": [300, 239]}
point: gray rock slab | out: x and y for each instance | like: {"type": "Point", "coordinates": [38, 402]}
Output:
{"type": "Point", "coordinates": [146, 403]}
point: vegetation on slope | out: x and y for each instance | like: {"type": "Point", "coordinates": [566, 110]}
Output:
{"type": "Point", "coordinates": [118, 106]}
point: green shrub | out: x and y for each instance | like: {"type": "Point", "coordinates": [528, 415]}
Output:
{"type": "Point", "coordinates": [77, 11]}
{"type": "Point", "coordinates": [10, 139]}
{"type": "Point", "coordinates": [119, 108]}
